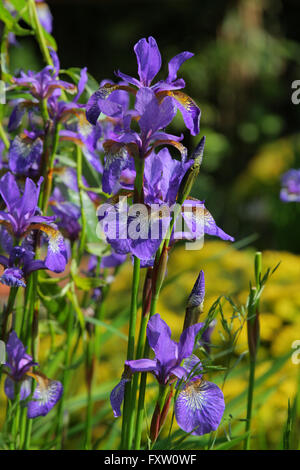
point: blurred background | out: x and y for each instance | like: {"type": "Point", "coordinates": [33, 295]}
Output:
{"type": "Point", "coordinates": [247, 54]}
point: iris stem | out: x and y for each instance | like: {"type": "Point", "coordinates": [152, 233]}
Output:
{"type": "Point", "coordinates": [3, 137]}
{"type": "Point", "coordinates": [39, 32]}
{"type": "Point", "coordinates": [143, 382]}
{"type": "Point", "coordinates": [128, 411]}
{"type": "Point", "coordinates": [48, 174]}
{"type": "Point", "coordinates": [90, 348]}
{"type": "Point", "coordinates": [65, 379]}
{"type": "Point", "coordinates": [253, 341]}
{"type": "Point", "coordinates": [83, 217]}
{"type": "Point", "coordinates": [8, 309]}
{"type": "Point", "coordinates": [129, 405]}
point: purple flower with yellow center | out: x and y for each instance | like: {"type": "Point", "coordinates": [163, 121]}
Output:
{"type": "Point", "coordinates": [202, 402]}
{"type": "Point", "coordinates": [19, 371]}
{"type": "Point", "coordinates": [290, 182]}
{"type": "Point", "coordinates": [153, 116]}
{"type": "Point", "coordinates": [21, 218]}
{"type": "Point", "coordinates": [149, 64]}
{"type": "Point", "coordinates": [199, 406]}
{"type": "Point", "coordinates": [166, 366]}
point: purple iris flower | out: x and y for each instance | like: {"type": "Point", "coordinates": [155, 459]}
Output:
{"type": "Point", "coordinates": [202, 402]}
{"type": "Point", "coordinates": [19, 265]}
{"type": "Point", "coordinates": [290, 182]}
{"type": "Point", "coordinates": [19, 370]}
{"type": "Point", "coordinates": [62, 110]}
{"type": "Point", "coordinates": [141, 233]}
{"type": "Point", "coordinates": [21, 217]}
{"type": "Point", "coordinates": [149, 64]}
{"type": "Point", "coordinates": [45, 83]}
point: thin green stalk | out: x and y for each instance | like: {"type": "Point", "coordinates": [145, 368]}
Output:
{"type": "Point", "coordinates": [8, 309]}
{"type": "Point", "coordinates": [39, 32]}
{"type": "Point", "coordinates": [128, 409]}
{"type": "Point", "coordinates": [90, 347]}
{"type": "Point", "coordinates": [3, 136]}
{"type": "Point", "coordinates": [83, 217]}
{"type": "Point", "coordinates": [48, 174]}
{"type": "Point", "coordinates": [129, 406]}
{"type": "Point", "coordinates": [143, 383]}
{"type": "Point", "coordinates": [251, 385]}
{"type": "Point", "coordinates": [65, 380]}
{"type": "Point", "coordinates": [253, 341]}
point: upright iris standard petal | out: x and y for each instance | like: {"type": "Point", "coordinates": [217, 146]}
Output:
{"type": "Point", "coordinates": [9, 191]}
{"type": "Point", "coordinates": [175, 64]}
{"type": "Point", "coordinates": [159, 338]}
{"type": "Point", "coordinates": [187, 340]}
{"type": "Point", "coordinates": [199, 407]}
{"type": "Point", "coordinates": [28, 203]}
{"type": "Point", "coordinates": [154, 116]}
{"type": "Point", "coordinates": [148, 59]}
{"type": "Point", "coordinates": [46, 394]}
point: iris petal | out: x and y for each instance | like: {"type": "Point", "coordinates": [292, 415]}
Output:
{"type": "Point", "coordinates": [199, 407]}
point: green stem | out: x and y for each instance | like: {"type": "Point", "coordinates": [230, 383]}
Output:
{"type": "Point", "coordinates": [128, 410]}
{"type": "Point", "coordinates": [250, 402]}
{"type": "Point", "coordinates": [65, 379]}
{"type": "Point", "coordinates": [83, 217]}
{"type": "Point", "coordinates": [48, 173]}
{"type": "Point", "coordinates": [39, 32]}
{"type": "Point", "coordinates": [8, 309]}
{"type": "Point", "coordinates": [3, 137]}
{"type": "Point", "coordinates": [143, 382]}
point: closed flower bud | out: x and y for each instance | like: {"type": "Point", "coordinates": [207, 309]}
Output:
{"type": "Point", "coordinates": [195, 302]}
{"type": "Point", "coordinates": [192, 173]}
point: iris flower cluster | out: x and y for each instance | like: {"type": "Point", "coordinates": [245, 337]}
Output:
{"type": "Point", "coordinates": [125, 148]}
{"type": "Point", "coordinates": [137, 149]}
